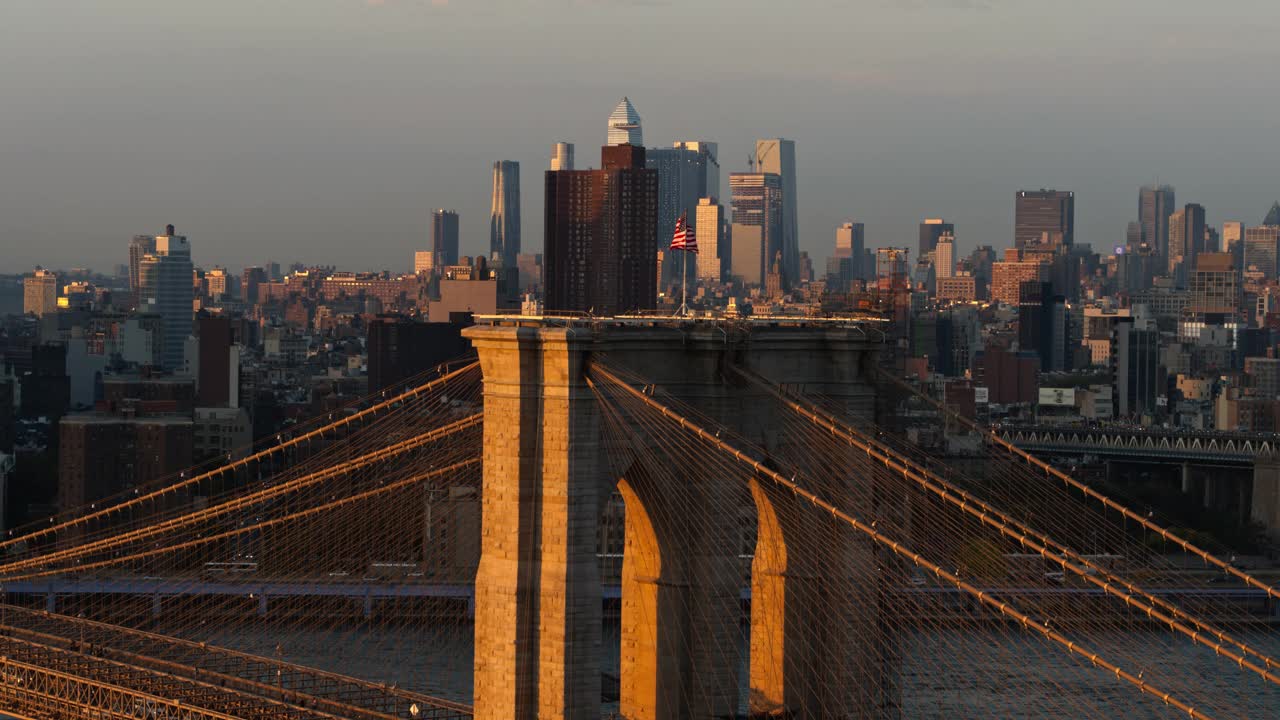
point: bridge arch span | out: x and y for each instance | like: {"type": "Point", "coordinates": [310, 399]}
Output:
{"type": "Point", "coordinates": [547, 476]}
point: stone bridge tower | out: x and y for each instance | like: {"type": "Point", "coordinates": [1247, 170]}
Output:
{"type": "Point", "coordinates": [538, 614]}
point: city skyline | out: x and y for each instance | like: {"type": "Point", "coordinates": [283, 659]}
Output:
{"type": "Point", "coordinates": [820, 365]}
{"type": "Point", "coordinates": [308, 173]}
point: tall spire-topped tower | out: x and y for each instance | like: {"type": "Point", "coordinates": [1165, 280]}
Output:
{"type": "Point", "coordinates": [624, 125]}
{"type": "Point", "coordinates": [1273, 215]}
{"type": "Point", "coordinates": [504, 213]}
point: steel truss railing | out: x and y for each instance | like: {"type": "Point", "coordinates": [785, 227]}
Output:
{"type": "Point", "coordinates": [44, 682]}
{"type": "Point", "coordinates": [329, 692]}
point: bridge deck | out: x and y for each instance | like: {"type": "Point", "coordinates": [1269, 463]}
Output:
{"type": "Point", "coordinates": [270, 681]}
{"type": "Point", "coordinates": [1145, 444]}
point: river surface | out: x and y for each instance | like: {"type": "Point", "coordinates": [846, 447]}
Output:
{"type": "Point", "coordinates": [961, 672]}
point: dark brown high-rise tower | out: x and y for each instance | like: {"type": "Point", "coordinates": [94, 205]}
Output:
{"type": "Point", "coordinates": [1155, 205]}
{"type": "Point", "coordinates": [600, 241]}
{"type": "Point", "coordinates": [444, 238]}
{"type": "Point", "coordinates": [1037, 212]}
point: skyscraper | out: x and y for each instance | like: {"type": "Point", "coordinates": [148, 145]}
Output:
{"type": "Point", "coordinates": [1037, 212]}
{"type": "Point", "coordinates": [1214, 286]}
{"type": "Point", "coordinates": [140, 245]}
{"type": "Point", "coordinates": [778, 156]}
{"type": "Point", "coordinates": [746, 255]}
{"type": "Point", "coordinates": [504, 215]}
{"type": "Point", "coordinates": [1155, 205]}
{"type": "Point", "coordinates": [847, 262]}
{"type": "Point", "coordinates": [851, 241]}
{"type": "Point", "coordinates": [758, 202]}
{"type": "Point", "coordinates": [687, 172]}
{"type": "Point", "coordinates": [930, 230]}
{"type": "Point", "coordinates": [601, 249]}
{"type": "Point", "coordinates": [1042, 324]}
{"type": "Point", "coordinates": [709, 229]}
{"type": "Point", "coordinates": [1007, 277]}
{"type": "Point", "coordinates": [444, 238]}
{"type": "Point", "coordinates": [944, 256]}
{"type": "Point", "coordinates": [1212, 241]}
{"type": "Point", "coordinates": [1232, 235]}
{"type": "Point", "coordinates": [40, 293]}
{"type": "Point", "coordinates": [1273, 215]}
{"type": "Point", "coordinates": [1261, 249]}
{"type": "Point", "coordinates": [214, 373]}
{"type": "Point", "coordinates": [1186, 236]}
{"type": "Point", "coordinates": [624, 125]}
{"type": "Point", "coordinates": [679, 190]}
{"type": "Point", "coordinates": [707, 166]}
{"type": "Point", "coordinates": [529, 266]}
{"type": "Point", "coordinates": [1134, 364]}
{"type": "Point", "coordinates": [562, 156]}
{"type": "Point", "coordinates": [165, 289]}
{"type": "Point", "coordinates": [981, 263]}
{"type": "Point", "coordinates": [1133, 238]}
{"type": "Point", "coordinates": [250, 279]}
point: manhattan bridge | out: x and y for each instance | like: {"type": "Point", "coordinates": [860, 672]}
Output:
{"type": "Point", "coordinates": [634, 518]}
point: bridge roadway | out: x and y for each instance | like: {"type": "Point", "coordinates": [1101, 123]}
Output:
{"type": "Point", "coordinates": [60, 666]}
{"type": "Point", "coordinates": [1238, 449]}
{"type": "Point", "coordinates": [367, 593]}
{"type": "Point", "coordinates": [1256, 453]}
{"type": "Point", "coordinates": [261, 591]}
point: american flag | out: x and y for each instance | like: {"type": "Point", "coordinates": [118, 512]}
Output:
{"type": "Point", "coordinates": [683, 238]}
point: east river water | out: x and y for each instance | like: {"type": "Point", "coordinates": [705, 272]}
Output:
{"type": "Point", "coordinates": [958, 672]}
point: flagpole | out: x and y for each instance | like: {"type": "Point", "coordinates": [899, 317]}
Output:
{"type": "Point", "coordinates": [680, 242]}
{"type": "Point", "coordinates": [684, 283]}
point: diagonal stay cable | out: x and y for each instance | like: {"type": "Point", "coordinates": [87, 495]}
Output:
{"type": "Point", "coordinates": [1107, 502]}
{"type": "Point", "coordinates": [900, 550]}
{"type": "Point", "coordinates": [243, 462]}
{"type": "Point", "coordinates": [1086, 569]}
{"type": "Point", "coordinates": [284, 488]}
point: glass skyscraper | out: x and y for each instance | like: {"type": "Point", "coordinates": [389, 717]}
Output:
{"type": "Point", "coordinates": [778, 156]}
{"type": "Point", "coordinates": [165, 289]}
{"type": "Point", "coordinates": [1273, 215]}
{"type": "Point", "coordinates": [504, 216]}
{"type": "Point", "coordinates": [708, 165]}
{"type": "Point", "coordinates": [139, 247]}
{"type": "Point", "coordinates": [687, 173]}
{"type": "Point", "coordinates": [758, 202]}
{"type": "Point", "coordinates": [624, 125]}
{"type": "Point", "coordinates": [1261, 249]}
{"type": "Point", "coordinates": [562, 156]}
{"type": "Point", "coordinates": [1155, 205]}
{"type": "Point", "coordinates": [444, 238]}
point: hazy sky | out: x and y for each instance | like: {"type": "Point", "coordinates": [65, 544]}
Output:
{"type": "Point", "coordinates": [326, 130]}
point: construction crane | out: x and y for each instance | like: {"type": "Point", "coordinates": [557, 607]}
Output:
{"type": "Point", "coordinates": [760, 158]}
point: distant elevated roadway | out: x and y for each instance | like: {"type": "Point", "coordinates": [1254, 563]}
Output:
{"type": "Point", "coordinates": [1146, 444]}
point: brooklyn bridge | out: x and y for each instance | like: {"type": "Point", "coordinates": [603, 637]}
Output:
{"type": "Point", "coordinates": [635, 518]}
